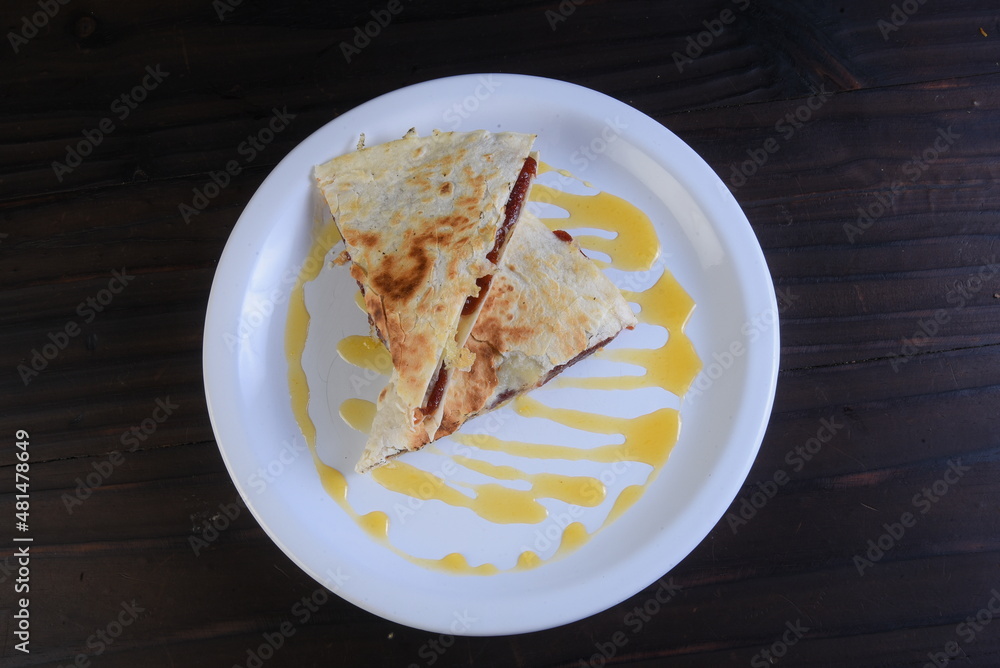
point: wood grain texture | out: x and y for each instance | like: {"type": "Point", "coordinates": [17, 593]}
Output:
{"type": "Point", "coordinates": [846, 112]}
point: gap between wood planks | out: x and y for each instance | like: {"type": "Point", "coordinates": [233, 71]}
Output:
{"type": "Point", "coordinates": [887, 357]}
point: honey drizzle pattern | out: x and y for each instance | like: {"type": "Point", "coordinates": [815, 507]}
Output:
{"type": "Point", "coordinates": [647, 439]}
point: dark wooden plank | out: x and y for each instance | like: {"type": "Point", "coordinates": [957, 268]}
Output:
{"type": "Point", "coordinates": [131, 347]}
{"type": "Point", "coordinates": [197, 116]}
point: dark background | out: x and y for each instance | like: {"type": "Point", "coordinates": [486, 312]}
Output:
{"type": "Point", "coordinates": [889, 326]}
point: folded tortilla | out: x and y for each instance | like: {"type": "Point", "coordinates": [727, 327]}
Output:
{"type": "Point", "coordinates": [549, 308]}
{"type": "Point", "coordinates": [420, 216]}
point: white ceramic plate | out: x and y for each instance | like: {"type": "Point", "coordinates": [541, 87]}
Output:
{"type": "Point", "coordinates": [708, 246]}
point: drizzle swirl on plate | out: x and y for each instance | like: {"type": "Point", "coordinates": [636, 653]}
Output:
{"type": "Point", "coordinates": [504, 494]}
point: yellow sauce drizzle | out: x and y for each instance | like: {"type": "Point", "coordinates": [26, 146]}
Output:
{"type": "Point", "coordinates": [634, 246]}
{"type": "Point", "coordinates": [493, 502]}
{"type": "Point", "coordinates": [625, 500]}
{"type": "Point", "coordinates": [358, 414]}
{"type": "Point", "coordinates": [297, 327]}
{"type": "Point", "coordinates": [365, 352]}
{"type": "Point", "coordinates": [646, 439]}
{"type": "Point", "coordinates": [375, 524]}
{"type": "Point", "coordinates": [674, 365]}
{"type": "Point", "coordinates": [573, 537]}
{"type": "Point", "coordinates": [581, 490]}
{"type": "Point", "coordinates": [455, 564]}
{"type": "Point", "coordinates": [359, 301]}
{"type": "Point", "coordinates": [528, 560]}
{"type": "Point", "coordinates": [604, 453]}
{"type": "Point", "coordinates": [545, 167]}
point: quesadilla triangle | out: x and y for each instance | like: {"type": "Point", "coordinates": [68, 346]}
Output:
{"type": "Point", "coordinates": [426, 221]}
{"type": "Point", "coordinates": [550, 307]}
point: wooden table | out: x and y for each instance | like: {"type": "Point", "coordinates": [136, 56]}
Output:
{"type": "Point", "coordinates": [861, 139]}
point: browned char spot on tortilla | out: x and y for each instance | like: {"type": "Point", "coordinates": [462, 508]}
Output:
{"type": "Point", "coordinates": [503, 332]}
{"type": "Point", "coordinates": [398, 277]}
{"type": "Point", "coordinates": [454, 224]}
{"type": "Point", "coordinates": [362, 239]}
